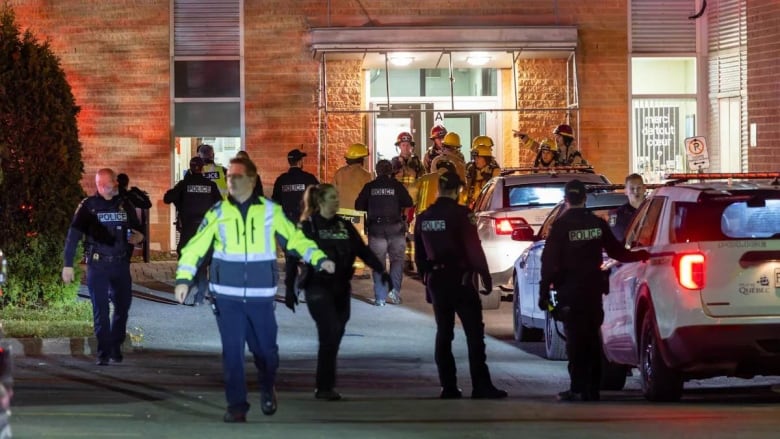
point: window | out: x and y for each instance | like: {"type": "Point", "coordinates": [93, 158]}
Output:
{"type": "Point", "coordinates": [641, 231]}
{"type": "Point", "coordinates": [663, 111]}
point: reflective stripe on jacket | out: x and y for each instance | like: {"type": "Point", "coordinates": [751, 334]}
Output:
{"type": "Point", "coordinates": [244, 259]}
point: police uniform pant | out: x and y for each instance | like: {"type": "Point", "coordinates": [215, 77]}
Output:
{"type": "Point", "coordinates": [243, 323]}
{"type": "Point", "coordinates": [583, 346]}
{"type": "Point", "coordinates": [451, 298]}
{"type": "Point", "coordinates": [329, 306]}
{"type": "Point", "coordinates": [108, 280]}
{"type": "Point", "coordinates": [388, 240]}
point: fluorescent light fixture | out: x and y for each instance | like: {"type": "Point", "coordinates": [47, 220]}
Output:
{"type": "Point", "coordinates": [478, 58]}
{"type": "Point", "coordinates": [401, 59]}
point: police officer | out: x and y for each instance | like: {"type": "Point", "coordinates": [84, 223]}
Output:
{"type": "Point", "coordinates": [288, 192]}
{"type": "Point", "coordinates": [242, 231]}
{"type": "Point", "coordinates": [621, 217]}
{"type": "Point", "coordinates": [384, 199]}
{"type": "Point", "coordinates": [193, 196]}
{"type": "Point", "coordinates": [328, 296]}
{"type": "Point", "coordinates": [211, 170]}
{"type": "Point", "coordinates": [449, 256]}
{"type": "Point", "coordinates": [108, 264]}
{"type": "Point", "coordinates": [571, 264]}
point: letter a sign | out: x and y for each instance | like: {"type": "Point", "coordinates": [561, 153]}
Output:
{"type": "Point", "coordinates": [696, 148]}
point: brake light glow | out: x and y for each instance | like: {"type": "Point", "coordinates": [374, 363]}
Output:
{"type": "Point", "coordinates": [689, 268]}
{"type": "Point", "coordinates": [504, 226]}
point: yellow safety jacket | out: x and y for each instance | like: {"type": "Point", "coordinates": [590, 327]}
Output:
{"type": "Point", "coordinates": [349, 180]}
{"type": "Point", "coordinates": [427, 190]}
{"type": "Point", "coordinates": [216, 173]}
{"type": "Point", "coordinates": [243, 264]}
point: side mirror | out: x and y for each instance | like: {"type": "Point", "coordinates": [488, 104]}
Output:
{"type": "Point", "coordinates": [523, 233]}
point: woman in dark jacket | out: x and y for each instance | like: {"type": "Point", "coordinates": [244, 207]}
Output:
{"type": "Point", "coordinates": [328, 295]}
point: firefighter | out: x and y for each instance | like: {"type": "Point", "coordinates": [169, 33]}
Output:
{"type": "Point", "coordinates": [571, 264]}
{"type": "Point", "coordinates": [384, 199]}
{"type": "Point", "coordinates": [437, 135]}
{"type": "Point", "coordinates": [449, 257]}
{"type": "Point", "coordinates": [564, 138]}
{"type": "Point", "coordinates": [349, 180]}
{"type": "Point", "coordinates": [451, 151]}
{"type": "Point", "coordinates": [481, 169]}
{"type": "Point", "coordinates": [428, 185]}
{"type": "Point", "coordinates": [547, 157]}
{"type": "Point", "coordinates": [407, 168]}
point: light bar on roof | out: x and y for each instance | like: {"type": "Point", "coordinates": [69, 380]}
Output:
{"type": "Point", "coordinates": [724, 175]}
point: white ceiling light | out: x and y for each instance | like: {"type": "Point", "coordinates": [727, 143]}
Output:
{"type": "Point", "coordinates": [401, 59]}
{"type": "Point", "coordinates": [478, 58]}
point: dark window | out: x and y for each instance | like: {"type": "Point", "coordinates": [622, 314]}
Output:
{"type": "Point", "coordinates": [207, 79]}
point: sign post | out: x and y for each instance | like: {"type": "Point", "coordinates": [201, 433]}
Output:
{"type": "Point", "coordinates": [698, 157]}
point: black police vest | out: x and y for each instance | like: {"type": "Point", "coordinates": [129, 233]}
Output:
{"type": "Point", "coordinates": [384, 204]}
{"type": "Point", "coordinates": [197, 197]}
{"type": "Point", "coordinates": [114, 217]}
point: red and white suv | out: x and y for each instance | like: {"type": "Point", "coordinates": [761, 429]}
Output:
{"type": "Point", "coordinates": [707, 303]}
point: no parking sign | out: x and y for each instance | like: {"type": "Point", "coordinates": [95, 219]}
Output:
{"type": "Point", "coordinates": [698, 157]}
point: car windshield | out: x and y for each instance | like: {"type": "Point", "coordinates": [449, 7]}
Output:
{"type": "Point", "coordinates": [744, 219]}
{"type": "Point", "coordinates": [535, 195]}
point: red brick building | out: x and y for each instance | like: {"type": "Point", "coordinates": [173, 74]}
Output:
{"type": "Point", "coordinates": [629, 75]}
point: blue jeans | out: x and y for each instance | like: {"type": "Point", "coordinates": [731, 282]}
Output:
{"type": "Point", "coordinates": [388, 241]}
{"type": "Point", "coordinates": [251, 323]}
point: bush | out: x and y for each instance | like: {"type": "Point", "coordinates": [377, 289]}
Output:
{"type": "Point", "coordinates": [40, 166]}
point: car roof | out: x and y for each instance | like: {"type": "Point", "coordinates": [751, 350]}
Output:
{"type": "Point", "coordinates": [693, 191]}
{"type": "Point", "coordinates": [552, 177]}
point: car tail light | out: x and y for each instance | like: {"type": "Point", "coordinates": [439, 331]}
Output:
{"type": "Point", "coordinates": [689, 268]}
{"type": "Point", "coordinates": [504, 226]}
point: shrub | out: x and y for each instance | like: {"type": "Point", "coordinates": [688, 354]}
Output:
{"type": "Point", "coordinates": [40, 165]}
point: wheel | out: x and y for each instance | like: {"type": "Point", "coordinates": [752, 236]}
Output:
{"type": "Point", "coordinates": [659, 382]}
{"type": "Point", "coordinates": [554, 344]}
{"type": "Point", "coordinates": [613, 375]}
{"type": "Point", "coordinates": [522, 332]}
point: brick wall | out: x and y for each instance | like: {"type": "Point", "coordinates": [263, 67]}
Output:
{"type": "Point", "coordinates": [115, 54]}
{"type": "Point", "coordinates": [763, 19]}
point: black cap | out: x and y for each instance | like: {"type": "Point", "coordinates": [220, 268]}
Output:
{"type": "Point", "coordinates": [196, 162]}
{"type": "Point", "coordinates": [449, 181]}
{"type": "Point", "coordinates": [574, 191]}
{"type": "Point", "coordinates": [295, 154]}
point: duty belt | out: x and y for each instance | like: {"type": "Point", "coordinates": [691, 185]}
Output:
{"type": "Point", "coordinates": [384, 220]}
{"type": "Point", "coordinates": [97, 257]}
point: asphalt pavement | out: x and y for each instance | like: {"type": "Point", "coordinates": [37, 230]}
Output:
{"type": "Point", "coordinates": [170, 383]}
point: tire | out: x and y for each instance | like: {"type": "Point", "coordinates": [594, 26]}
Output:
{"type": "Point", "coordinates": [522, 332]}
{"type": "Point", "coordinates": [554, 344]}
{"type": "Point", "coordinates": [659, 382]}
{"type": "Point", "coordinates": [613, 375]}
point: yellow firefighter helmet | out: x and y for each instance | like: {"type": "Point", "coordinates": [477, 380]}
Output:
{"type": "Point", "coordinates": [356, 151]}
{"type": "Point", "coordinates": [451, 140]}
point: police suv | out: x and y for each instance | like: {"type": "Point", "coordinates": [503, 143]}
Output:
{"type": "Point", "coordinates": [707, 302]}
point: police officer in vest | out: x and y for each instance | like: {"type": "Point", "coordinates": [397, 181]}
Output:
{"type": "Point", "coordinates": [108, 263]}
{"type": "Point", "coordinates": [449, 257]}
{"type": "Point", "coordinates": [193, 196]}
{"type": "Point", "coordinates": [288, 192]}
{"type": "Point", "coordinates": [213, 171]}
{"type": "Point", "coordinates": [384, 199]}
{"type": "Point", "coordinates": [571, 264]}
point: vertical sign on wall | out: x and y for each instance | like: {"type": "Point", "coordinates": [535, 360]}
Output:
{"type": "Point", "coordinates": [658, 137]}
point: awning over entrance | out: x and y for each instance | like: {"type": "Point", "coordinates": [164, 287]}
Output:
{"type": "Point", "coordinates": [419, 38]}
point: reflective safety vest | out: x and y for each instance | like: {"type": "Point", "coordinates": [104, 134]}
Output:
{"type": "Point", "coordinates": [216, 173]}
{"type": "Point", "coordinates": [243, 263]}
